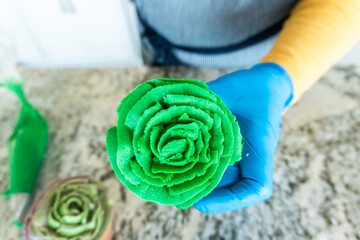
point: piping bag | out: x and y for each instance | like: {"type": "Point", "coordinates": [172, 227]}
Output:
{"type": "Point", "coordinates": [27, 146]}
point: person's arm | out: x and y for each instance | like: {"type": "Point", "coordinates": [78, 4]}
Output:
{"type": "Point", "coordinates": [317, 34]}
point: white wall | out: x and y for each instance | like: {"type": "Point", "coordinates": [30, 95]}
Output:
{"type": "Point", "coordinates": [68, 33]}
{"type": "Point", "coordinates": [352, 57]}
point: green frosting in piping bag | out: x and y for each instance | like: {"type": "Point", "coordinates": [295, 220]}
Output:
{"type": "Point", "coordinates": [27, 144]}
{"type": "Point", "coordinates": [173, 141]}
{"type": "Point", "coordinates": [74, 208]}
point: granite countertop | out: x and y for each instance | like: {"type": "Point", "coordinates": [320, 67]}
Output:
{"type": "Point", "coordinates": [317, 164]}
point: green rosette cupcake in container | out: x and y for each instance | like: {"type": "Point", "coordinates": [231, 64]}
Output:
{"type": "Point", "coordinates": [173, 141]}
{"type": "Point", "coordinates": [73, 208]}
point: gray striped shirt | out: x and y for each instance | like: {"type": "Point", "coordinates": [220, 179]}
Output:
{"type": "Point", "coordinates": [215, 23]}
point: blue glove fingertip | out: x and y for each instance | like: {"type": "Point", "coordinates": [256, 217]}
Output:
{"type": "Point", "coordinates": [285, 75]}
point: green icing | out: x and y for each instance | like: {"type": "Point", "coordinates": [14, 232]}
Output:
{"type": "Point", "coordinates": [27, 144]}
{"type": "Point", "coordinates": [173, 141]}
{"type": "Point", "coordinates": [75, 208]}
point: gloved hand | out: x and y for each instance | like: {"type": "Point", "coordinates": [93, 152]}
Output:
{"type": "Point", "coordinates": [257, 97]}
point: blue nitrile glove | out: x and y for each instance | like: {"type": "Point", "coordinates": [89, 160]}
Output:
{"type": "Point", "coordinates": [257, 97]}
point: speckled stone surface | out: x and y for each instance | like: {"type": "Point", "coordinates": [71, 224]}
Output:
{"type": "Point", "coordinates": [317, 164]}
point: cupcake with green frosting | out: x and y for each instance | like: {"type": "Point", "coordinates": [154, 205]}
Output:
{"type": "Point", "coordinates": [72, 208]}
{"type": "Point", "coordinates": [173, 141]}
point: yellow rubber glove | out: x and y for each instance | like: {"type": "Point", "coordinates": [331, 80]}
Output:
{"type": "Point", "coordinates": [317, 34]}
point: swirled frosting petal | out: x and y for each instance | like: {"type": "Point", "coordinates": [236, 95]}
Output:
{"type": "Point", "coordinates": [173, 141]}
{"type": "Point", "coordinates": [72, 208]}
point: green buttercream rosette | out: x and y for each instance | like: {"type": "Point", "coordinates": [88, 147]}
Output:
{"type": "Point", "coordinates": [173, 141]}
{"type": "Point", "coordinates": [73, 208]}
